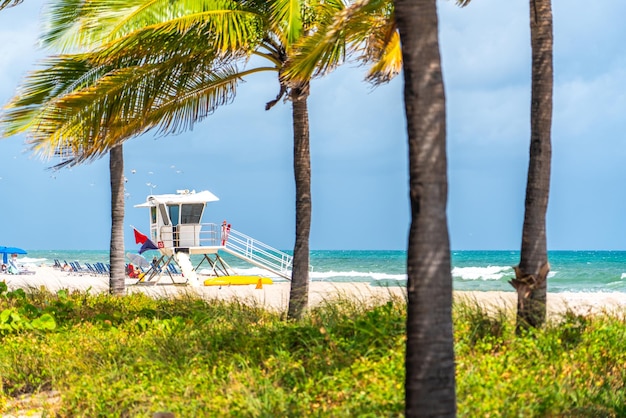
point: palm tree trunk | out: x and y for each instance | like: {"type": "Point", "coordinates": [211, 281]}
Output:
{"type": "Point", "coordinates": [430, 379]}
{"type": "Point", "coordinates": [531, 274]}
{"type": "Point", "coordinates": [116, 254]}
{"type": "Point", "coordinates": [299, 294]}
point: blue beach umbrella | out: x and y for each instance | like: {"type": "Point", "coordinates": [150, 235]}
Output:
{"type": "Point", "coordinates": [5, 251]}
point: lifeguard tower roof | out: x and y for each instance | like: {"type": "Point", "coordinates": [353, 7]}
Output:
{"type": "Point", "coordinates": [183, 196]}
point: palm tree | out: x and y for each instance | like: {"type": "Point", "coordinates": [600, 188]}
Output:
{"type": "Point", "coordinates": [117, 274]}
{"type": "Point", "coordinates": [430, 381]}
{"type": "Point", "coordinates": [430, 369]}
{"type": "Point", "coordinates": [531, 273]}
{"type": "Point", "coordinates": [168, 65]}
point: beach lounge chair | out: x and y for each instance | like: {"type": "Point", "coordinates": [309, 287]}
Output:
{"type": "Point", "coordinates": [172, 268]}
{"type": "Point", "coordinates": [75, 268]}
{"type": "Point", "coordinates": [92, 269]}
{"type": "Point", "coordinates": [155, 265]}
{"type": "Point", "coordinates": [12, 268]}
{"type": "Point", "coordinates": [101, 268]}
{"type": "Point", "coordinates": [81, 268]}
{"type": "Point", "coordinates": [15, 269]}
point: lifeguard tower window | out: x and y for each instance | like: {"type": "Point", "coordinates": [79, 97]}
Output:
{"type": "Point", "coordinates": [191, 213]}
{"type": "Point", "coordinates": [164, 215]}
{"type": "Point", "coordinates": [174, 212]}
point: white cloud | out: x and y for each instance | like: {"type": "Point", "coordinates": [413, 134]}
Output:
{"type": "Point", "coordinates": [485, 44]}
{"type": "Point", "coordinates": [584, 107]}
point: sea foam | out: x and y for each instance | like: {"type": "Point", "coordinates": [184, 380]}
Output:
{"type": "Point", "coordinates": [30, 260]}
{"type": "Point", "coordinates": [481, 273]}
{"type": "Point", "coordinates": [330, 275]}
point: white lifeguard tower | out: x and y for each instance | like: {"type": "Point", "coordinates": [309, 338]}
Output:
{"type": "Point", "coordinates": [176, 228]}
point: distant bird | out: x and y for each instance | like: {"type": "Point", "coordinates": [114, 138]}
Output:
{"type": "Point", "coordinates": [133, 171]}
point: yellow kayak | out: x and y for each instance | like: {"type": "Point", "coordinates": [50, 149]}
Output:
{"type": "Point", "coordinates": [237, 280]}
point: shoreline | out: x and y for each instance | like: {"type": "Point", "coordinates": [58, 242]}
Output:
{"type": "Point", "coordinates": [276, 295]}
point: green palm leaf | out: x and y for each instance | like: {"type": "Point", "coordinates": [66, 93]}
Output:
{"type": "Point", "coordinates": [287, 18]}
{"type": "Point", "coordinates": [106, 108]}
{"type": "Point", "coordinates": [4, 4]}
{"type": "Point", "coordinates": [364, 30]}
{"type": "Point", "coordinates": [85, 24]}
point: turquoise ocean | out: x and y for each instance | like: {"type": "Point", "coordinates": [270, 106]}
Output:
{"type": "Point", "coordinates": [571, 271]}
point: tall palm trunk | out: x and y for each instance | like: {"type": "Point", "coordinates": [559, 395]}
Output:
{"type": "Point", "coordinates": [299, 294]}
{"type": "Point", "coordinates": [117, 275]}
{"type": "Point", "coordinates": [531, 274]}
{"type": "Point", "coordinates": [430, 380]}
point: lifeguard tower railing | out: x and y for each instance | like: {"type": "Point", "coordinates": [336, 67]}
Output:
{"type": "Point", "coordinates": [240, 245]}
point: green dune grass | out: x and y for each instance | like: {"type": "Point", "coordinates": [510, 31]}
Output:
{"type": "Point", "coordinates": [76, 354]}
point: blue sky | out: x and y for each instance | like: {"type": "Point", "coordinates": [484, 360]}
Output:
{"type": "Point", "coordinates": [243, 153]}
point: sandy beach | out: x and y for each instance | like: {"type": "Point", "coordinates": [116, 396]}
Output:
{"type": "Point", "coordinates": [276, 296]}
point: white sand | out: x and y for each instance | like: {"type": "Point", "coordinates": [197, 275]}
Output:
{"type": "Point", "coordinates": [578, 302]}
{"type": "Point", "coordinates": [276, 295]}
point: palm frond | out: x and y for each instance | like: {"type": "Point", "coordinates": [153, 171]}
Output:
{"type": "Point", "coordinates": [73, 24]}
{"type": "Point", "coordinates": [319, 12]}
{"type": "Point", "coordinates": [363, 30]}
{"type": "Point", "coordinates": [111, 104]}
{"type": "Point", "coordinates": [223, 30]}
{"type": "Point", "coordinates": [387, 61]}
{"type": "Point", "coordinates": [88, 24]}
{"type": "Point", "coordinates": [381, 47]}
{"type": "Point", "coordinates": [5, 4]}
{"type": "Point", "coordinates": [171, 113]}
{"type": "Point", "coordinates": [85, 23]}
{"type": "Point", "coordinates": [286, 18]}
{"type": "Point", "coordinates": [58, 76]}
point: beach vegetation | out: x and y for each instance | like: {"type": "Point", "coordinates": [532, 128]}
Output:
{"type": "Point", "coordinates": [136, 355]}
